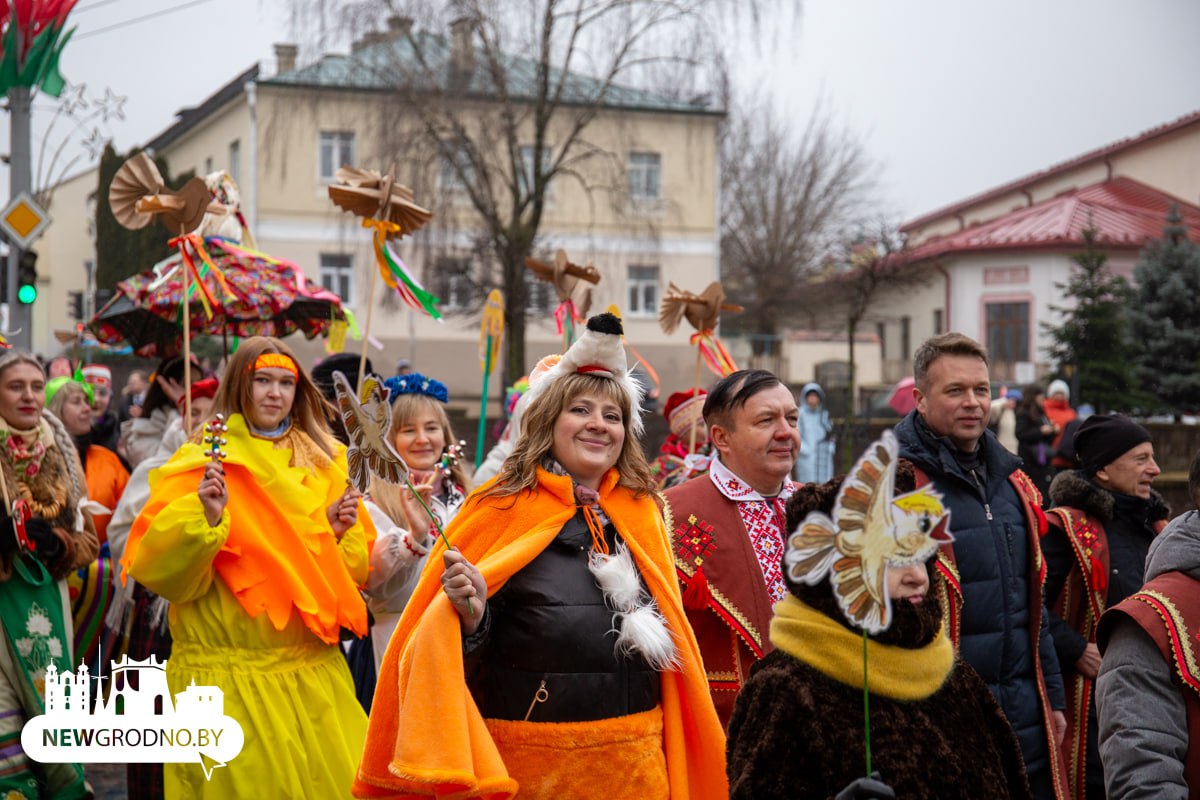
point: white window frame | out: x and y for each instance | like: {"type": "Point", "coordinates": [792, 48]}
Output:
{"type": "Point", "coordinates": [340, 147]}
{"type": "Point", "coordinates": [336, 272]}
{"type": "Point", "coordinates": [235, 160]}
{"type": "Point", "coordinates": [539, 298]}
{"type": "Point", "coordinates": [642, 290]}
{"type": "Point", "coordinates": [449, 182]}
{"type": "Point", "coordinates": [645, 177]}
{"type": "Point", "coordinates": [453, 283]}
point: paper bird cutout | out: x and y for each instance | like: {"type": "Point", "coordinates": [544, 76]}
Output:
{"type": "Point", "coordinates": [870, 531]}
{"type": "Point", "coordinates": [368, 420]}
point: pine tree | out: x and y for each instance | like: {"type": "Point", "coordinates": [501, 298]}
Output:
{"type": "Point", "coordinates": [1165, 319]}
{"type": "Point", "coordinates": [1093, 336]}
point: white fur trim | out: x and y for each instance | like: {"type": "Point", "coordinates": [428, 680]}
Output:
{"type": "Point", "coordinates": [617, 577]}
{"type": "Point", "coordinates": [644, 631]}
{"type": "Point", "coordinates": [639, 625]}
{"type": "Point", "coordinates": [593, 348]}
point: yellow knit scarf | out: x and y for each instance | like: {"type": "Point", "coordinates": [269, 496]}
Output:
{"type": "Point", "coordinates": [837, 652]}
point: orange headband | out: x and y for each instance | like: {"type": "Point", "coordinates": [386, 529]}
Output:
{"type": "Point", "coordinates": [276, 361]}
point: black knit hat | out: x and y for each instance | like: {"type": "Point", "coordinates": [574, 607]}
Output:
{"type": "Point", "coordinates": [346, 363]}
{"type": "Point", "coordinates": [1101, 440]}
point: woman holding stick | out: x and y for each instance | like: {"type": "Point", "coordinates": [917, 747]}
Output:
{"type": "Point", "coordinates": [261, 556]}
{"type": "Point", "coordinates": [548, 652]}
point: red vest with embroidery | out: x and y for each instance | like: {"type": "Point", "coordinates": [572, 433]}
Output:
{"type": "Point", "coordinates": [1168, 610]}
{"type": "Point", "coordinates": [1080, 605]}
{"type": "Point", "coordinates": [724, 592]}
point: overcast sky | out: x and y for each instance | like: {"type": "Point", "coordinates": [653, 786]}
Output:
{"type": "Point", "coordinates": [950, 98]}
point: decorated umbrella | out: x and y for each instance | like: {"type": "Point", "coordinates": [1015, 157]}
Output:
{"type": "Point", "coordinates": [240, 292]}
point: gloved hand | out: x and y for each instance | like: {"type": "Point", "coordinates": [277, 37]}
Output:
{"type": "Point", "coordinates": [8, 537]}
{"type": "Point", "coordinates": [871, 788]}
{"type": "Point", "coordinates": [49, 546]}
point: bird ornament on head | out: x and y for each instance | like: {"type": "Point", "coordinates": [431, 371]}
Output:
{"type": "Point", "coordinates": [869, 532]}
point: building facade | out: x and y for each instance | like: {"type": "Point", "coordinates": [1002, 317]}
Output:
{"type": "Point", "coordinates": [643, 212]}
{"type": "Point", "coordinates": [992, 262]}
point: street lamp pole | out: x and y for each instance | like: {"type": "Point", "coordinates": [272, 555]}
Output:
{"type": "Point", "coordinates": [19, 180]}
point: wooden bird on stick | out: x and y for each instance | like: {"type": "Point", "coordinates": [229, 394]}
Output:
{"type": "Point", "coordinates": [565, 277]}
{"type": "Point", "coordinates": [701, 310]}
{"type": "Point", "coordinates": [138, 194]}
{"type": "Point", "coordinates": [869, 531]}
{"type": "Point", "coordinates": [372, 195]}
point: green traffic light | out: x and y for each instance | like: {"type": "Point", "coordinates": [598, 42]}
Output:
{"type": "Point", "coordinates": [27, 294]}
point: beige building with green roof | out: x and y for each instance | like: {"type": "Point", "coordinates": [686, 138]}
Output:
{"type": "Point", "coordinates": [647, 217]}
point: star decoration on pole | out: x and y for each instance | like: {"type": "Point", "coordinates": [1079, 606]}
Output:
{"type": "Point", "coordinates": [74, 98]}
{"type": "Point", "coordinates": [111, 105]}
{"type": "Point", "coordinates": [94, 144]}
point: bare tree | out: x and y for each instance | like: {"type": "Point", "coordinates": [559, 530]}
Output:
{"type": "Point", "coordinates": [785, 198]}
{"type": "Point", "coordinates": [858, 271]}
{"type": "Point", "coordinates": [504, 105]}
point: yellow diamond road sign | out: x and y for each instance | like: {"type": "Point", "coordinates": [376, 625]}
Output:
{"type": "Point", "coordinates": [23, 220]}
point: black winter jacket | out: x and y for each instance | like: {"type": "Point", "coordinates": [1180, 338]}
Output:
{"type": "Point", "coordinates": [550, 623]}
{"type": "Point", "coordinates": [991, 548]}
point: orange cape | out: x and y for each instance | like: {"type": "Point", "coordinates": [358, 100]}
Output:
{"type": "Point", "coordinates": [281, 553]}
{"type": "Point", "coordinates": [426, 736]}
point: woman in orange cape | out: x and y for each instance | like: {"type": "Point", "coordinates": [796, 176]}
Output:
{"type": "Point", "coordinates": [261, 556]}
{"type": "Point", "coordinates": [551, 657]}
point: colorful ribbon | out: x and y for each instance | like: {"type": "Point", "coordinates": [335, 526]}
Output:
{"type": "Point", "coordinates": [565, 317]}
{"type": "Point", "coordinates": [714, 353]}
{"type": "Point", "coordinates": [394, 272]}
{"type": "Point", "coordinates": [206, 297]}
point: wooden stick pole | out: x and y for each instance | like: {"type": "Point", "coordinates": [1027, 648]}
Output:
{"type": "Point", "coordinates": [187, 343]}
{"type": "Point", "coordinates": [483, 404]}
{"type": "Point", "coordinates": [695, 392]}
{"type": "Point", "coordinates": [366, 339]}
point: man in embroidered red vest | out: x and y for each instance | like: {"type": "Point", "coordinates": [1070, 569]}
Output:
{"type": "Point", "coordinates": [1105, 516]}
{"type": "Point", "coordinates": [728, 527]}
{"type": "Point", "coordinates": [1148, 690]}
{"type": "Point", "coordinates": [996, 519]}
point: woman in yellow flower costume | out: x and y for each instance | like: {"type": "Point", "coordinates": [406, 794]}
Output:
{"type": "Point", "coordinates": [262, 556]}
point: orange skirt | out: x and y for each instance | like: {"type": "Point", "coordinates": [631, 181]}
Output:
{"type": "Point", "coordinates": [608, 759]}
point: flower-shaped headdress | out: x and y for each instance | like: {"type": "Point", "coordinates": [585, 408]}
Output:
{"type": "Point", "coordinates": [416, 383]}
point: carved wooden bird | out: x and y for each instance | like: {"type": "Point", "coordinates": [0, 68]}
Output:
{"type": "Point", "coordinates": [870, 531]}
{"type": "Point", "coordinates": [701, 310]}
{"type": "Point", "coordinates": [368, 418]}
{"type": "Point", "coordinates": [367, 193]}
{"type": "Point", "coordinates": [565, 276]}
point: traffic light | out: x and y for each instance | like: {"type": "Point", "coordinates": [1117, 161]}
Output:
{"type": "Point", "coordinates": [27, 277]}
{"type": "Point", "coordinates": [76, 305]}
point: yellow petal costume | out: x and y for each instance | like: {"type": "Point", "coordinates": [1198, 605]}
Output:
{"type": "Point", "coordinates": [256, 605]}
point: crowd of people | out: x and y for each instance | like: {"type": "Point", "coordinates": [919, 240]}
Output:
{"type": "Point", "coordinates": [577, 620]}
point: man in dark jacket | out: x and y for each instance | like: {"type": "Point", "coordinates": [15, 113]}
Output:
{"type": "Point", "coordinates": [996, 519]}
{"type": "Point", "coordinates": [1105, 517]}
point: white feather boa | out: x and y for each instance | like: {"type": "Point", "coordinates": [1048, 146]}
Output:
{"type": "Point", "coordinates": [640, 626]}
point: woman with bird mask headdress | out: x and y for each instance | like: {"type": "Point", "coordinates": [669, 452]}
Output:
{"type": "Point", "coordinates": [865, 588]}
